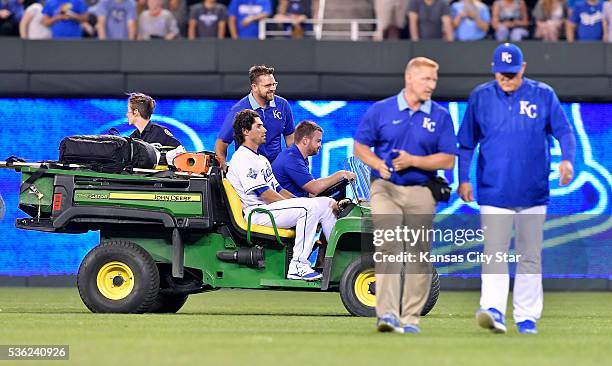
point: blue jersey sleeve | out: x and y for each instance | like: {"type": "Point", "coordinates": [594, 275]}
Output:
{"type": "Point", "coordinates": [227, 130]}
{"type": "Point", "coordinates": [447, 143]}
{"type": "Point", "coordinates": [261, 190]}
{"type": "Point", "coordinates": [367, 131]}
{"type": "Point", "coordinates": [561, 129]}
{"type": "Point", "coordinates": [289, 124]}
{"type": "Point", "coordinates": [468, 137]}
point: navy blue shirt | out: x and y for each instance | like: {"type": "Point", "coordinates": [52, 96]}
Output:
{"type": "Point", "coordinates": [276, 117]}
{"type": "Point", "coordinates": [513, 132]}
{"type": "Point", "coordinates": [390, 124]}
{"type": "Point", "coordinates": [156, 134]}
{"type": "Point", "coordinates": [291, 171]}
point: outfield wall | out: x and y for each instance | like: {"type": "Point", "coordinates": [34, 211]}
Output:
{"type": "Point", "coordinates": [212, 69]}
{"type": "Point", "coordinates": [306, 69]}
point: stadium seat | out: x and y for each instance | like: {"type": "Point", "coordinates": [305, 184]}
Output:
{"type": "Point", "coordinates": [238, 216]}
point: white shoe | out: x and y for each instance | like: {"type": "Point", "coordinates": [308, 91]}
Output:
{"type": "Point", "coordinates": [302, 272]}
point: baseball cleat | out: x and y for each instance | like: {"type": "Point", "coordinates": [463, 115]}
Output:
{"type": "Point", "coordinates": [491, 319]}
{"type": "Point", "coordinates": [303, 272]}
{"type": "Point", "coordinates": [527, 327]}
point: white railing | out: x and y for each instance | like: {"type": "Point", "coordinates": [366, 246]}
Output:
{"type": "Point", "coordinates": [353, 33]}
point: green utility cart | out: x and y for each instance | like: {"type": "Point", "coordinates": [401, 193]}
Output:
{"type": "Point", "coordinates": [165, 236]}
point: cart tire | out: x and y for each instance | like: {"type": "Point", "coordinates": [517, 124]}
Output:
{"type": "Point", "coordinates": [118, 277]}
{"type": "Point", "coordinates": [358, 289]}
{"type": "Point", "coordinates": [168, 303]}
{"type": "Point", "coordinates": [434, 292]}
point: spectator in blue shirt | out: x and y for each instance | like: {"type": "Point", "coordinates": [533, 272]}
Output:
{"type": "Point", "coordinates": [471, 20]}
{"type": "Point", "coordinates": [586, 22]}
{"type": "Point", "coordinates": [244, 16]}
{"type": "Point", "coordinates": [116, 19]}
{"type": "Point", "coordinates": [11, 12]}
{"type": "Point", "coordinates": [291, 167]}
{"type": "Point", "coordinates": [273, 110]}
{"type": "Point", "coordinates": [64, 17]}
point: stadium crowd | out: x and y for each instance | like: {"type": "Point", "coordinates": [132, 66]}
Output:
{"type": "Point", "coordinates": [461, 20]}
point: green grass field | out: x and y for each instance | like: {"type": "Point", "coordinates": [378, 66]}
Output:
{"type": "Point", "coordinates": [243, 327]}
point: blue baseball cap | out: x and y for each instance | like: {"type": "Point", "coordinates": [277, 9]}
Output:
{"type": "Point", "coordinates": [507, 58]}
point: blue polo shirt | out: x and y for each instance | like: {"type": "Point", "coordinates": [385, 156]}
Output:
{"type": "Point", "coordinates": [588, 19]}
{"type": "Point", "coordinates": [245, 8]}
{"type": "Point", "coordinates": [276, 117]}
{"type": "Point", "coordinates": [390, 124]}
{"type": "Point", "coordinates": [291, 171]}
{"type": "Point", "coordinates": [513, 132]}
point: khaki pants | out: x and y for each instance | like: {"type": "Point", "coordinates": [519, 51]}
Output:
{"type": "Point", "coordinates": [402, 289]}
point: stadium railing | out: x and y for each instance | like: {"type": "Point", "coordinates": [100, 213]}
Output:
{"type": "Point", "coordinates": [353, 31]}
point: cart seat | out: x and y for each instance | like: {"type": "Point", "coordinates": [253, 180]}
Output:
{"type": "Point", "coordinates": [238, 216]}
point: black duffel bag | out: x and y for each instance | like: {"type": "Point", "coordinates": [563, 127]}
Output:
{"type": "Point", "coordinates": [107, 153]}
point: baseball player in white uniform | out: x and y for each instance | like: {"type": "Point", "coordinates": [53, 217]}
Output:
{"type": "Point", "coordinates": [251, 176]}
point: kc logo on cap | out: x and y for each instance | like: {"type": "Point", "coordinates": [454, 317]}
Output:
{"type": "Point", "coordinates": [507, 58]}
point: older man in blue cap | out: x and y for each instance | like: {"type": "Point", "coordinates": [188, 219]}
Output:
{"type": "Point", "coordinates": [512, 118]}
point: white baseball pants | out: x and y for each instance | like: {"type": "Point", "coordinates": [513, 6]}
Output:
{"type": "Point", "coordinates": [303, 213]}
{"type": "Point", "coordinates": [528, 225]}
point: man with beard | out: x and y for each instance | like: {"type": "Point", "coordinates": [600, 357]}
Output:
{"type": "Point", "coordinates": [291, 166]}
{"type": "Point", "coordinates": [273, 110]}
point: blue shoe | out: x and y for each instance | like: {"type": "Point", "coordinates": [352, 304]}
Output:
{"type": "Point", "coordinates": [491, 319]}
{"type": "Point", "coordinates": [412, 328]}
{"type": "Point", "coordinates": [527, 327]}
{"type": "Point", "coordinates": [312, 276]}
{"type": "Point", "coordinates": [388, 323]}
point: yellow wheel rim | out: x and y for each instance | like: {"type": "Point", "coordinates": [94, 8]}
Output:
{"type": "Point", "coordinates": [115, 280]}
{"type": "Point", "coordinates": [362, 288]}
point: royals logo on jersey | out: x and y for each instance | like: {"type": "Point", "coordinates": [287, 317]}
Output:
{"type": "Point", "coordinates": [429, 125]}
{"type": "Point", "coordinates": [268, 173]}
{"type": "Point", "coordinates": [528, 109]}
